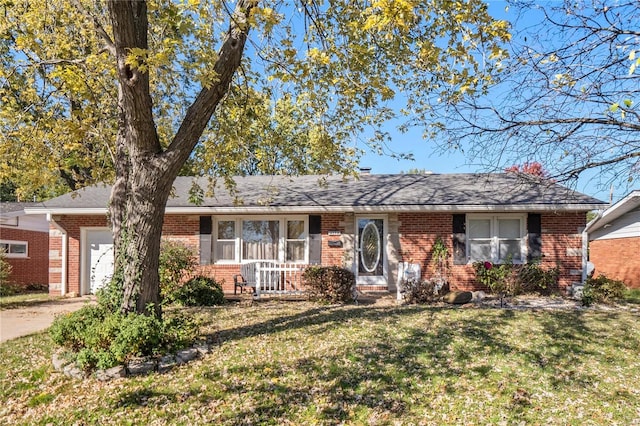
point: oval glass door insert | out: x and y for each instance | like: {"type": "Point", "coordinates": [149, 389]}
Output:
{"type": "Point", "coordinates": [370, 247]}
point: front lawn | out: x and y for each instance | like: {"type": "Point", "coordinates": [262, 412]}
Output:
{"type": "Point", "coordinates": [300, 363]}
{"type": "Point", "coordinates": [24, 300]}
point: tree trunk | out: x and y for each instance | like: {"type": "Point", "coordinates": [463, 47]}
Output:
{"type": "Point", "coordinates": [144, 172]}
{"type": "Point", "coordinates": [139, 235]}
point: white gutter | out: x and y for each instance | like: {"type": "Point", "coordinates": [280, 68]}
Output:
{"type": "Point", "coordinates": [63, 266]}
{"type": "Point", "coordinates": [466, 208]}
{"type": "Point", "coordinates": [585, 243]}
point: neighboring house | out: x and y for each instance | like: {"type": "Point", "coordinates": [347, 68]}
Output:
{"type": "Point", "coordinates": [25, 241]}
{"type": "Point", "coordinates": [368, 225]}
{"type": "Point", "coordinates": [614, 241]}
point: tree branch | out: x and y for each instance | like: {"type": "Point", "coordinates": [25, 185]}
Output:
{"type": "Point", "coordinates": [203, 107]}
{"type": "Point", "coordinates": [102, 33]}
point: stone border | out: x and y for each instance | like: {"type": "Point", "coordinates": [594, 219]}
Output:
{"type": "Point", "coordinates": [135, 367]}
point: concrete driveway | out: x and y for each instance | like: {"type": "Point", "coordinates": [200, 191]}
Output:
{"type": "Point", "coordinates": [32, 319]}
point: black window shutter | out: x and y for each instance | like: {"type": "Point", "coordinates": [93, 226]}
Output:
{"type": "Point", "coordinates": [534, 241]}
{"type": "Point", "coordinates": [206, 226]}
{"type": "Point", "coordinates": [315, 239]}
{"type": "Point", "coordinates": [315, 224]}
{"type": "Point", "coordinates": [459, 239]}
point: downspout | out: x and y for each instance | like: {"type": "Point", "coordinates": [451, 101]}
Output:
{"type": "Point", "coordinates": [585, 244]}
{"type": "Point", "coordinates": [585, 249]}
{"type": "Point", "coordinates": [63, 268]}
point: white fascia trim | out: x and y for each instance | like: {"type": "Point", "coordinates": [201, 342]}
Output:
{"type": "Point", "coordinates": [340, 209]}
{"type": "Point", "coordinates": [623, 206]}
{"type": "Point", "coordinates": [382, 209]}
{"type": "Point", "coordinates": [66, 210]}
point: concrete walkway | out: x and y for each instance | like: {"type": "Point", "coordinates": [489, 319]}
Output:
{"type": "Point", "coordinates": [32, 319]}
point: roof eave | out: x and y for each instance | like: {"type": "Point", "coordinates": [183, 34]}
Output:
{"type": "Point", "coordinates": [468, 208]}
{"type": "Point", "coordinates": [625, 205]}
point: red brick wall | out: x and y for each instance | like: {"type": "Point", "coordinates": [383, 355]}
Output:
{"type": "Point", "coordinates": [332, 256]}
{"type": "Point", "coordinates": [223, 274]}
{"type": "Point", "coordinates": [33, 269]}
{"type": "Point", "coordinates": [560, 232]}
{"type": "Point", "coordinates": [418, 232]}
{"type": "Point", "coordinates": [617, 258]}
{"type": "Point", "coordinates": [562, 245]}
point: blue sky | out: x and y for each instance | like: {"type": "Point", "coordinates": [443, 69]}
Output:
{"type": "Point", "coordinates": [428, 156]}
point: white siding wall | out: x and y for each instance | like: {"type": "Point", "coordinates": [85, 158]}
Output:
{"type": "Point", "coordinates": [626, 226]}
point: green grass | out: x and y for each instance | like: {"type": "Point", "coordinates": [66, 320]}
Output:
{"type": "Point", "coordinates": [632, 295]}
{"type": "Point", "coordinates": [299, 363]}
{"type": "Point", "coordinates": [24, 300]}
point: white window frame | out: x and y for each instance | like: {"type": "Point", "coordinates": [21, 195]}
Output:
{"type": "Point", "coordinates": [495, 239]}
{"type": "Point", "coordinates": [10, 243]}
{"type": "Point", "coordinates": [236, 239]}
{"type": "Point", "coordinates": [282, 238]}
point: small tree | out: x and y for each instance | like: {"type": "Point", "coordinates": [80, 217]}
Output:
{"type": "Point", "coordinates": [177, 264]}
{"type": "Point", "coordinates": [5, 272]}
{"type": "Point", "coordinates": [439, 261]}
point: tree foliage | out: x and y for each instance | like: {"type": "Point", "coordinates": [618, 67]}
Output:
{"type": "Point", "coordinates": [132, 90]}
{"type": "Point", "coordinates": [568, 96]}
{"type": "Point", "coordinates": [534, 169]}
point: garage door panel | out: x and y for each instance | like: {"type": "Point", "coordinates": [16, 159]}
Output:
{"type": "Point", "coordinates": [100, 259]}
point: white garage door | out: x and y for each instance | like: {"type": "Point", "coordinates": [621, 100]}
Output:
{"type": "Point", "coordinates": [99, 258]}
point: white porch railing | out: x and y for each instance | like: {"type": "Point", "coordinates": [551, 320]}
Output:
{"type": "Point", "coordinates": [278, 278]}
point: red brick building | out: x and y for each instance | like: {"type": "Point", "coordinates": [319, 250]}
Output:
{"type": "Point", "coordinates": [25, 242]}
{"type": "Point", "coordinates": [614, 241]}
{"type": "Point", "coordinates": [369, 225]}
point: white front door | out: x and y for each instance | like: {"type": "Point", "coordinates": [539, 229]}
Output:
{"type": "Point", "coordinates": [371, 258]}
{"type": "Point", "coordinates": [99, 259]}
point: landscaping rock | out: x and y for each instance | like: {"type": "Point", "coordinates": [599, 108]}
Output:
{"type": "Point", "coordinates": [478, 296]}
{"type": "Point", "coordinates": [111, 373]}
{"type": "Point", "coordinates": [202, 349]}
{"type": "Point", "coordinates": [72, 371]}
{"type": "Point", "coordinates": [58, 360]}
{"type": "Point", "coordinates": [458, 297]}
{"type": "Point", "coordinates": [135, 367]}
{"type": "Point", "coordinates": [166, 363]}
{"type": "Point", "coordinates": [139, 367]}
{"type": "Point", "coordinates": [186, 355]}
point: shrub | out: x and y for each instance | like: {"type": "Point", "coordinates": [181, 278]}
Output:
{"type": "Point", "coordinates": [508, 279]}
{"type": "Point", "coordinates": [535, 279]}
{"type": "Point", "coordinates": [8, 289]}
{"type": "Point", "coordinates": [176, 261]}
{"type": "Point", "coordinates": [422, 291]}
{"type": "Point", "coordinates": [98, 338]}
{"type": "Point", "coordinates": [5, 271]}
{"type": "Point", "coordinates": [330, 284]}
{"type": "Point", "coordinates": [198, 291]}
{"type": "Point", "coordinates": [37, 287]}
{"type": "Point", "coordinates": [500, 279]}
{"type": "Point", "coordinates": [602, 290]}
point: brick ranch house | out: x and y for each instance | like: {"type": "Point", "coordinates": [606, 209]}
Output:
{"type": "Point", "coordinates": [368, 225]}
{"type": "Point", "coordinates": [614, 241]}
{"type": "Point", "coordinates": [25, 241]}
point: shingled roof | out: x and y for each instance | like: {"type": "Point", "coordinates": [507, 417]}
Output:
{"type": "Point", "coordinates": [370, 192]}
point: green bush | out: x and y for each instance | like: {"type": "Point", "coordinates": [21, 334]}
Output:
{"type": "Point", "coordinates": [535, 279]}
{"type": "Point", "coordinates": [500, 279]}
{"type": "Point", "coordinates": [98, 338]}
{"type": "Point", "coordinates": [329, 284]}
{"type": "Point", "coordinates": [602, 290]}
{"type": "Point", "coordinates": [176, 262]}
{"type": "Point", "coordinates": [198, 291]}
{"type": "Point", "coordinates": [6, 289]}
{"type": "Point", "coordinates": [421, 291]}
{"type": "Point", "coordinates": [508, 279]}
